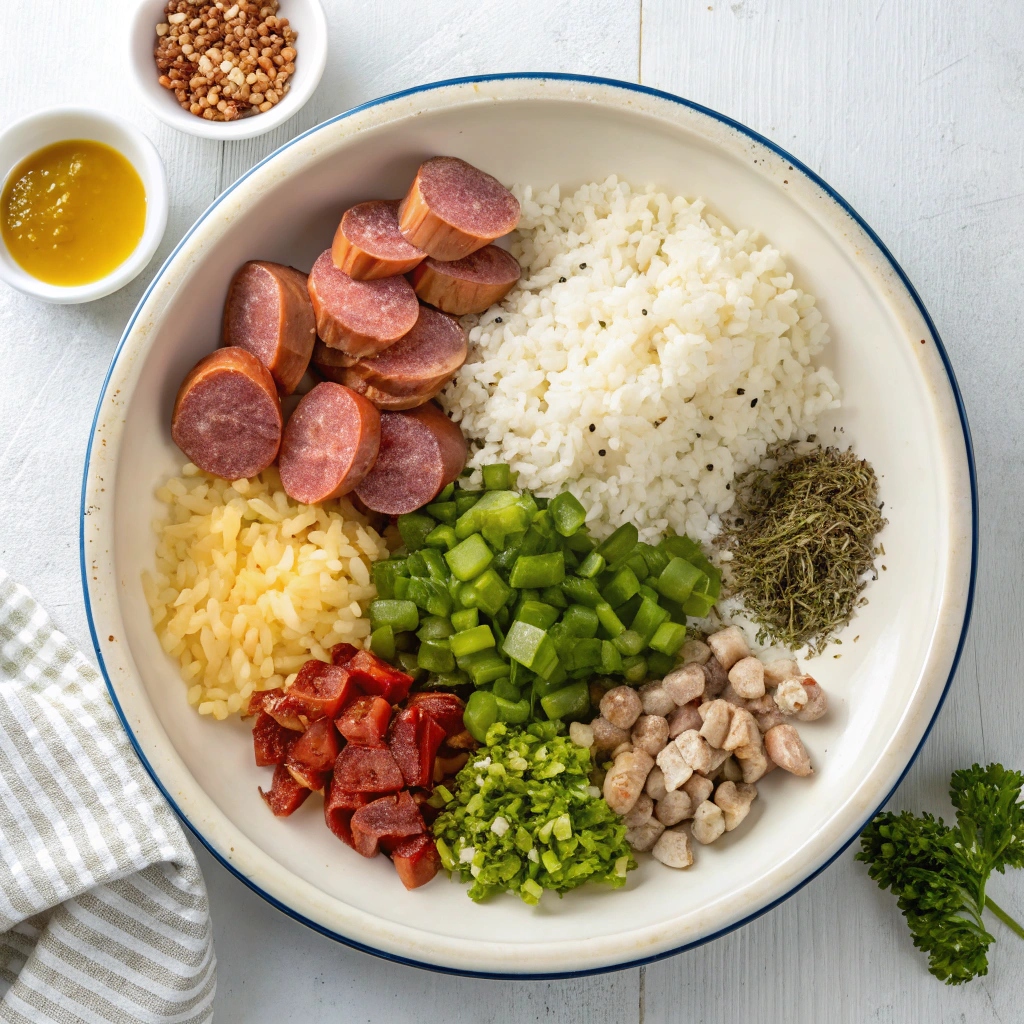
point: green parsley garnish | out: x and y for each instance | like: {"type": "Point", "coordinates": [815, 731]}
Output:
{"type": "Point", "coordinates": [938, 874]}
{"type": "Point", "coordinates": [524, 818]}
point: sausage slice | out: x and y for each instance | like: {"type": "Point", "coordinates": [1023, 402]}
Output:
{"type": "Point", "coordinates": [424, 360]}
{"type": "Point", "coordinates": [360, 317]}
{"type": "Point", "coordinates": [453, 209]}
{"type": "Point", "coordinates": [227, 416]}
{"type": "Point", "coordinates": [420, 452]}
{"type": "Point", "coordinates": [469, 285]}
{"type": "Point", "coordinates": [368, 244]}
{"type": "Point", "coordinates": [329, 444]}
{"type": "Point", "coordinates": [268, 312]}
{"type": "Point", "coordinates": [384, 400]}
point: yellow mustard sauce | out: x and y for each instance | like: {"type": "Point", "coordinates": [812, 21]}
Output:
{"type": "Point", "coordinates": [72, 212]}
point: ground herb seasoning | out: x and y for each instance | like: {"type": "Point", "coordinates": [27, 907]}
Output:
{"type": "Point", "coordinates": [802, 540]}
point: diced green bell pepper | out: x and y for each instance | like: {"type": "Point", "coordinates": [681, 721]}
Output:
{"type": "Point", "coordinates": [469, 521]}
{"type": "Point", "coordinates": [506, 689]}
{"type": "Point", "coordinates": [623, 586]}
{"type": "Point", "coordinates": [531, 647]}
{"type": "Point", "coordinates": [469, 558]}
{"type": "Point", "coordinates": [484, 667]}
{"type": "Point", "coordinates": [648, 618]}
{"type": "Point", "coordinates": [480, 714]}
{"type": "Point", "coordinates": [488, 592]}
{"type": "Point", "coordinates": [414, 527]}
{"type": "Point", "coordinates": [619, 544]}
{"type": "Point", "coordinates": [442, 537]}
{"type": "Point", "coordinates": [479, 638]}
{"type": "Point", "coordinates": [607, 617]}
{"type": "Point", "coordinates": [554, 597]}
{"type": "Point", "coordinates": [382, 643]}
{"type": "Point", "coordinates": [571, 701]}
{"type": "Point", "coordinates": [659, 664]}
{"type": "Point", "coordinates": [630, 642]}
{"type": "Point", "coordinates": [668, 638]}
{"type": "Point", "coordinates": [497, 477]}
{"type": "Point", "coordinates": [399, 615]}
{"type": "Point", "coordinates": [514, 713]}
{"type": "Point", "coordinates": [434, 562]}
{"type": "Point", "coordinates": [582, 591]}
{"type": "Point", "coordinates": [567, 514]}
{"type": "Point", "coordinates": [537, 613]}
{"type": "Point", "coordinates": [538, 571]}
{"type": "Point", "coordinates": [634, 669]}
{"type": "Point", "coordinates": [435, 656]}
{"type": "Point", "coordinates": [385, 573]}
{"type": "Point", "coordinates": [466, 619]}
{"type": "Point", "coordinates": [679, 579]}
{"type": "Point", "coordinates": [581, 621]}
{"type": "Point", "coordinates": [611, 659]}
{"type": "Point", "coordinates": [591, 566]}
{"type": "Point", "coordinates": [443, 511]}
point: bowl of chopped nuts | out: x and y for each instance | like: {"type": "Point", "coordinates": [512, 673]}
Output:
{"type": "Point", "coordinates": [227, 69]}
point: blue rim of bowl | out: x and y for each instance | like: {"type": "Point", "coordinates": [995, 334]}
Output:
{"type": "Point", "coordinates": [968, 447]}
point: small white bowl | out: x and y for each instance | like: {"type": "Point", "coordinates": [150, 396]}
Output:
{"type": "Point", "coordinates": [305, 16]}
{"type": "Point", "coordinates": [58, 124]}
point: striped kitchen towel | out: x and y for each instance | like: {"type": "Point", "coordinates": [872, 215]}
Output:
{"type": "Point", "coordinates": [103, 910]}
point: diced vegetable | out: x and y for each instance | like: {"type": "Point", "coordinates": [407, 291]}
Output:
{"type": "Point", "coordinates": [480, 714]}
{"type": "Point", "coordinates": [509, 593]}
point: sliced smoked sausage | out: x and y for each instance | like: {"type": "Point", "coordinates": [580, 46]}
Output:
{"type": "Point", "coordinates": [425, 359]}
{"type": "Point", "coordinates": [360, 317]}
{"type": "Point", "coordinates": [420, 452]}
{"type": "Point", "coordinates": [368, 244]}
{"type": "Point", "coordinates": [379, 396]}
{"type": "Point", "coordinates": [329, 444]}
{"type": "Point", "coordinates": [469, 285]}
{"type": "Point", "coordinates": [227, 416]}
{"type": "Point", "coordinates": [454, 208]}
{"type": "Point", "coordinates": [268, 312]}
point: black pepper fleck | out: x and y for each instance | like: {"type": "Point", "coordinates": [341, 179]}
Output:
{"type": "Point", "coordinates": [601, 451]}
{"type": "Point", "coordinates": [583, 266]}
{"type": "Point", "coordinates": [497, 319]}
{"type": "Point", "coordinates": [601, 322]}
{"type": "Point", "coordinates": [811, 438]}
{"type": "Point", "coordinates": [753, 402]}
{"type": "Point", "coordinates": [711, 417]}
{"type": "Point", "coordinates": [741, 391]}
{"type": "Point", "coordinates": [711, 466]}
{"type": "Point", "coordinates": [593, 427]}
{"type": "Point", "coordinates": [698, 435]}
{"type": "Point", "coordinates": [561, 280]}
{"type": "Point", "coordinates": [644, 311]}
{"type": "Point", "coordinates": [728, 487]}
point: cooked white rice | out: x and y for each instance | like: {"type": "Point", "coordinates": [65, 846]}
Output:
{"type": "Point", "coordinates": [248, 585]}
{"type": "Point", "coordinates": [649, 354]}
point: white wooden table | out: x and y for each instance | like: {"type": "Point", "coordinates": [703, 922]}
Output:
{"type": "Point", "coordinates": [913, 110]}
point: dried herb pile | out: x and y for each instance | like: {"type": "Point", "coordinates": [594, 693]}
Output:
{"type": "Point", "coordinates": [802, 540]}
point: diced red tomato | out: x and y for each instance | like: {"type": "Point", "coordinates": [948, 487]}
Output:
{"type": "Point", "coordinates": [280, 706]}
{"type": "Point", "coordinates": [285, 795]}
{"type": "Point", "coordinates": [322, 690]}
{"type": "Point", "coordinates": [414, 740]}
{"type": "Point", "coordinates": [365, 721]}
{"type": "Point", "coordinates": [339, 807]}
{"type": "Point", "coordinates": [360, 769]}
{"type": "Point", "coordinates": [374, 675]}
{"type": "Point", "coordinates": [416, 860]}
{"type": "Point", "coordinates": [444, 708]}
{"type": "Point", "coordinates": [317, 747]}
{"type": "Point", "coordinates": [341, 654]}
{"type": "Point", "coordinates": [389, 818]}
{"type": "Point", "coordinates": [271, 741]}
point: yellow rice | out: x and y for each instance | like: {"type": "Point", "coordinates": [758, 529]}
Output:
{"type": "Point", "coordinates": [248, 584]}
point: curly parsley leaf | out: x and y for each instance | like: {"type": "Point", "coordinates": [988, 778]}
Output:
{"type": "Point", "coordinates": [938, 873]}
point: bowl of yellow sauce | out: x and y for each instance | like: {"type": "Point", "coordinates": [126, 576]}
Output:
{"type": "Point", "coordinates": [83, 204]}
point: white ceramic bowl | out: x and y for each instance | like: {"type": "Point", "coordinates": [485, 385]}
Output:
{"type": "Point", "coordinates": [901, 411]}
{"type": "Point", "coordinates": [305, 16]}
{"type": "Point", "coordinates": [58, 124]}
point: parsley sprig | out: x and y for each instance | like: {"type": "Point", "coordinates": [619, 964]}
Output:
{"type": "Point", "coordinates": [938, 873]}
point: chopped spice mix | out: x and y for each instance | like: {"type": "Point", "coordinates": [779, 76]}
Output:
{"type": "Point", "coordinates": [225, 60]}
{"type": "Point", "coordinates": [802, 540]}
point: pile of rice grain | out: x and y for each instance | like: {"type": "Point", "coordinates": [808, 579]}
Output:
{"type": "Point", "coordinates": [648, 355]}
{"type": "Point", "coordinates": [249, 585]}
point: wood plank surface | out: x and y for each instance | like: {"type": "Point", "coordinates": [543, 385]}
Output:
{"type": "Point", "coordinates": [913, 110]}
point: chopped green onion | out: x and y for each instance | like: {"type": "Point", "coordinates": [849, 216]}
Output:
{"type": "Point", "coordinates": [607, 617]}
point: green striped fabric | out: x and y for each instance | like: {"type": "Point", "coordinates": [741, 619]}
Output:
{"type": "Point", "coordinates": [103, 910]}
